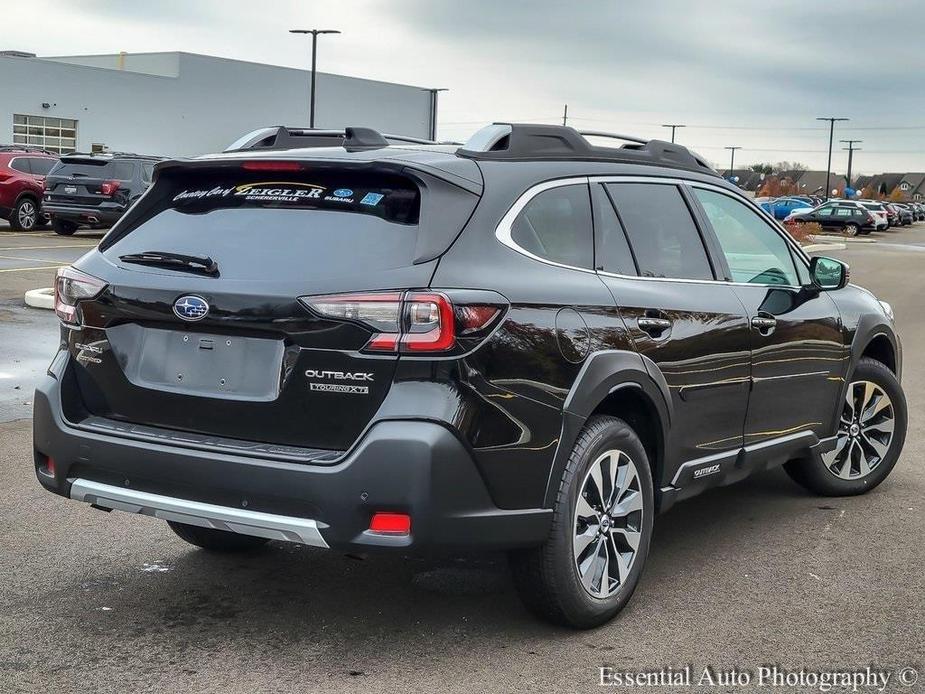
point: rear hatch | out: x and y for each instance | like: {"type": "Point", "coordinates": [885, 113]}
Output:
{"type": "Point", "coordinates": [86, 181]}
{"type": "Point", "coordinates": [229, 345]}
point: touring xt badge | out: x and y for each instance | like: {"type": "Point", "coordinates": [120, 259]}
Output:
{"type": "Point", "coordinates": [350, 389]}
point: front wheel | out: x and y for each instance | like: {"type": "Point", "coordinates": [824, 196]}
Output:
{"type": "Point", "coordinates": [871, 433]}
{"type": "Point", "coordinates": [591, 562]}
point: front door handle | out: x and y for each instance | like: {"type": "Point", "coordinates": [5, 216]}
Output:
{"type": "Point", "coordinates": [764, 324]}
{"type": "Point", "coordinates": [653, 326]}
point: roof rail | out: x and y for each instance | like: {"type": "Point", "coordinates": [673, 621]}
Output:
{"type": "Point", "coordinates": [280, 137]}
{"type": "Point", "coordinates": [111, 154]}
{"type": "Point", "coordinates": [26, 148]}
{"type": "Point", "coordinates": [524, 142]}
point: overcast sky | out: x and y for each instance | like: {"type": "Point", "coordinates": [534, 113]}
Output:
{"type": "Point", "coordinates": [737, 72]}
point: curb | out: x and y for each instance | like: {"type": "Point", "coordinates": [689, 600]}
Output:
{"type": "Point", "coordinates": [815, 247]}
{"type": "Point", "coordinates": [845, 239]}
{"type": "Point", "coordinates": [41, 298]}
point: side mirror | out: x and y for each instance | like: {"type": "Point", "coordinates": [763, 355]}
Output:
{"type": "Point", "coordinates": [828, 274]}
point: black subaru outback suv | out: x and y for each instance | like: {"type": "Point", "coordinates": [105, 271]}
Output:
{"type": "Point", "coordinates": [530, 343]}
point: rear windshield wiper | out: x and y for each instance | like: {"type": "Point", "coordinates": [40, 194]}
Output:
{"type": "Point", "coordinates": [174, 261]}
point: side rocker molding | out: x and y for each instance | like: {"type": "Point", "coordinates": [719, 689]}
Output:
{"type": "Point", "coordinates": [603, 373]}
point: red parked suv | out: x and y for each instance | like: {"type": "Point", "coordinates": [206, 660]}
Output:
{"type": "Point", "coordinates": [22, 181]}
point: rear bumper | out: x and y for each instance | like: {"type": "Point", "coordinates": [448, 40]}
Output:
{"type": "Point", "coordinates": [416, 467]}
{"type": "Point", "coordinates": [102, 214]}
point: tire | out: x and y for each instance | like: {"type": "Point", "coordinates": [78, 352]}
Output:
{"type": "Point", "coordinates": [216, 540]}
{"type": "Point", "coordinates": [63, 227]}
{"type": "Point", "coordinates": [548, 577]}
{"type": "Point", "coordinates": [827, 474]}
{"type": "Point", "coordinates": [25, 216]}
{"type": "Point", "coordinates": [852, 229]}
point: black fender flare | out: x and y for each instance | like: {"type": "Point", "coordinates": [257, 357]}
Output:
{"type": "Point", "coordinates": [37, 199]}
{"type": "Point", "coordinates": [603, 373]}
{"type": "Point", "coordinates": [869, 328]}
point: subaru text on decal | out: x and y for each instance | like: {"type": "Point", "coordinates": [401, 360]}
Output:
{"type": "Point", "coordinates": [529, 343]}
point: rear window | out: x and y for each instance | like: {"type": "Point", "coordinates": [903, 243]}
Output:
{"type": "Point", "coordinates": [264, 225]}
{"type": "Point", "coordinates": [109, 169]}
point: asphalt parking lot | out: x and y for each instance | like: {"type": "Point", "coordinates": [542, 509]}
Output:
{"type": "Point", "coordinates": [754, 574]}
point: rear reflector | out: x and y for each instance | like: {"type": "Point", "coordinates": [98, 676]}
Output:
{"type": "Point", "coordinates": [271, 166]}
{"type": "Point", "coordinates": [50, 467]}
{"type": "Point", "coordinates": [390, 524]}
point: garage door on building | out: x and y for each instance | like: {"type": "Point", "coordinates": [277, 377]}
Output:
{"type": "Point", "coordinates": [54, 134]}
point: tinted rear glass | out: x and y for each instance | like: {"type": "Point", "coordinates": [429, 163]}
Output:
{"type": "Point", "coordinates": [117, 170]}
{"type": "Point", "coordinates": [276, 224]}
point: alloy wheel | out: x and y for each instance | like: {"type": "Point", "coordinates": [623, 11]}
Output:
{"type": "Point", "coordinates": [607, 524]}
{"type": "Point", "coordinates": [865, 432]}
{"type": "Point", "coordinates": [26, 215]}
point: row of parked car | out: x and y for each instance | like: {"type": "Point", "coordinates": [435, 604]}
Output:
{"type": "Point", "coordinates": [851, 217]}
{"type": "Point", "coordinates": [38, 187]}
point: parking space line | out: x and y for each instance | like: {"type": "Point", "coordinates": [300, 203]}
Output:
{"type": "Point", "coordinates": [27, 269]}
{"type": "Point", "coordinates": [36, 260]}
{"type": "Point", "coordinates": [39, 248]}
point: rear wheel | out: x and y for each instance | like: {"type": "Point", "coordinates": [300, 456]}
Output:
{"type": "Point", "coordinates": [602, 524]}
{"type": "Point", "coordinates": [852, 229]}
{"type": "Point", "coordinates": [25, 215]}
{"type": "Point", "coordinates": [216, 540]}
{"type": "Point", "coordinates": [871, 433]}
{"type": "Point", "coordinates": [63, 227]}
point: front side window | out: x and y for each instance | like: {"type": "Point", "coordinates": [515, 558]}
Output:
{"type": "Point", "coordinates": [556, 225]}
{"type": "Point", "coordinates": [755, 252]}
{"type": "Point", "coordinates": [661, 231]}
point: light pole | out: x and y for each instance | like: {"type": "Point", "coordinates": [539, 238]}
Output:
{"type": "Point", "coordinates": [673, 126]}
{"type": "Point", "coordinates": [433, 110]}
{"type": "Point", "coordinates": [828, 167]}
{"type": "Point", "coordinates": [314, 33]}
{"type": "Point", "coordinates": [732, 158]}
{"type": "Point", "coordinates": [851, 150]}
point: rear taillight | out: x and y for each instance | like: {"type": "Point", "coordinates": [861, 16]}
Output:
{"type": "Point", "coordinates": [109, 187]}
{"type": "Point", "coordinates": [412, 322]}
{"type": "Point", "coordinates": [5, 175]}
{"type": "Point", "coordinates": [71, 287]}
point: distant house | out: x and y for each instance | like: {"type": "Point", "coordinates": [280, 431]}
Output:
{"type": "Point", "coordinates": [912, 186]}
{"type": "Point", "coordinates": [882, 185]}
{"type": "Point", "coordinates": [746, 179]}
{"type": "Point", "coordinates": [814, 182]}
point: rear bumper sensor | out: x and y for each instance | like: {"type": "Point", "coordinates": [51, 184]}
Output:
{"type": "Point", "coordinates": [275, 527]}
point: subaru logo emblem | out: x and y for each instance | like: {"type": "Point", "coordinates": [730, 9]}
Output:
{"type": "Point", "coordinates": [343, 193]}
{"type": "Point", "coordinates": [190, 308]}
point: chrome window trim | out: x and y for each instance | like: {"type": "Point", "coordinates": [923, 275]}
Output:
{"type": "Point", "coordinates": [504, 231]}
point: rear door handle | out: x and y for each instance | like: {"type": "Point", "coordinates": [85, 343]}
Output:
{"type": "Point", "coordinates": [653, 326]}
{"type": "Point", "coordinates": [764, 324]}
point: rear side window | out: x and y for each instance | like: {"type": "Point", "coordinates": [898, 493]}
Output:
{"type": "Point", "coordinates": [122, 170]}
{"type": "Point", "coordinates": [268, 225]}
{"type": "Point", "coordinates": [41, 166]}
{"type": "Point", "coordinates": [21, 164]}
{"type": "Point", "coordinates": [613, 252]}
{"type": "Point", "coordinates": [556, 225]}
{"type": "Point", "coordinates": [662, 232]}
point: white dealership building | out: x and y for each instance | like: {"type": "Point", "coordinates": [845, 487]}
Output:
{"type": "Point", "coordinates": [184, 104]}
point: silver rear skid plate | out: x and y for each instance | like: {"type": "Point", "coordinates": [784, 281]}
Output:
{"type": "Point", "coordinates": [236, 520]}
